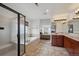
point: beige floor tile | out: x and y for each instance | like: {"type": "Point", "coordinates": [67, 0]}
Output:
{"type": "Point", "coordinates": [45, 49]}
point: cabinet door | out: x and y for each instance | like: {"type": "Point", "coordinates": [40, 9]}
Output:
{"type": "Point", "coordinates": [72, 46]}
{"type": "Point", "coordinates": [54, 40]}
{"type": "Point", "coordinates": [67, 43]}
{"type": "Point", "coordinates": [59, 41]}
{"type": "Point", "coordinates": [76, 48]}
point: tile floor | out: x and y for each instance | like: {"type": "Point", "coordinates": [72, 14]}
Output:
{"type": "Point", "coordinates": [45, 49]}
{"type": "Point", "coordinates": [9, 51]}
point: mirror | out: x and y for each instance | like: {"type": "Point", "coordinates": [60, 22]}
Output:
{"type": "Point", "coordinates": [73, 26]}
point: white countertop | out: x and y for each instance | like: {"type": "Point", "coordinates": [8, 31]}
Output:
{"type": "Point", "coordinates": [68, 35]}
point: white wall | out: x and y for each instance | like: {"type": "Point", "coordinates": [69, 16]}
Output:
{"type": "Point", "coordinates": [13, 29]}
{"type": "Point", "coordinates": [59, 27]}
{"type": "Point", "coordinates": [4, 34]}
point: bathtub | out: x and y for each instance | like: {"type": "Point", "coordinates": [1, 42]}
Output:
{"type": "Point", "coordinates": [31, 39]}
{"type": "Point", "coordinates": [32, 44]}
{"type": "Point", "coordinates": [28, 40]}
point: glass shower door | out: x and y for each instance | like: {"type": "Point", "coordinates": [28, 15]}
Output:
{"type": "Point", "coordinates": [8, 33]}
{"type": "Point", "coordinates": [27, 32]}
{"type": "Point", "coordinates": [22, 35]}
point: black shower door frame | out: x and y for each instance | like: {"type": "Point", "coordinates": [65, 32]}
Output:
{"type": "Point", "coordinates": [18, 26]}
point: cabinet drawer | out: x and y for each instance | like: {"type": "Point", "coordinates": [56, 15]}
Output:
{"type": "Point", "coordinates": [57, 40]}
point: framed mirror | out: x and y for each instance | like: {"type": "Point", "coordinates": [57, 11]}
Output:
{"type": "Point", "coordinates": [70, 28]}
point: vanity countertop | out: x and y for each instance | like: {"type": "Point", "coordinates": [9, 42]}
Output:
{"type": "Point", "coordinates": [76, 38]}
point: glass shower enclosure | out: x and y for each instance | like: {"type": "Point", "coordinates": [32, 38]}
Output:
{"type": "Point", "coordinates": [12, 32]}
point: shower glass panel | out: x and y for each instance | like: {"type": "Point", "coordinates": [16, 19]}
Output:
{"type": "Point", "coordinates": [27, 33]}
{"type": "Point", "coordinates": [22, 34]}
{"type": "Point", "coordinates": [8, 33]}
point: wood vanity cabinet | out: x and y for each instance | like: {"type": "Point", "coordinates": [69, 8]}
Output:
{"type": "Point", "coordinates": [72, 46]}
{"type": "Point", "coordinates": [57, 40]}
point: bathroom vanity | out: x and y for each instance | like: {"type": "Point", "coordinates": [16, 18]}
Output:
{"type": "Point", "coordinates": [71, 43]}
{"type": "Point", "coordinates": [57, 40]}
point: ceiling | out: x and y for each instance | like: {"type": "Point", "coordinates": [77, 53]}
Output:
{"type": "Point", "coordinates": [42, 11]}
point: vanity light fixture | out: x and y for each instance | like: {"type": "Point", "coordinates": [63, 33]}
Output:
{"type": "Point", "coordinates": [60, 20]}
{"type": "Point", "coordinates": [77, 11]}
